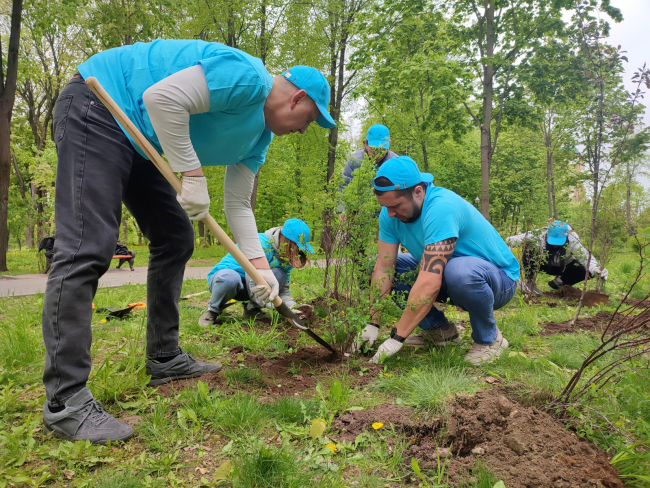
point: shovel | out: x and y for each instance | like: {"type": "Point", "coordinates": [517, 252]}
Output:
{"type": "Point", "coordinates": [208, 221]}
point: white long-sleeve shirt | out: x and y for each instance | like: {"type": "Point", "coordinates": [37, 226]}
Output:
{"type": "Point", "coordinates": [575, 247]}
{"type": "Point", "coordinates": [169, 103]}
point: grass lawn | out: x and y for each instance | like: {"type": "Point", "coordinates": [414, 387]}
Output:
{"type": "Point", "coordinates": [27, 260]}
{"type": "Point", "coordinates": [280, 414]}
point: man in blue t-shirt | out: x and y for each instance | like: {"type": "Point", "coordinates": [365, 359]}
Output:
{"type": "Point", "coordinates": [461, 257]}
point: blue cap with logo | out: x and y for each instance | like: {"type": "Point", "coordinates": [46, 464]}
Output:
{"type": "Point", "coordinates": [403, 172]}
{"type": "Point", "coordinates": [297, 231]}
{"type": "Point", "coordinates": [378, 136]}
{"type": "Point", "coordinates": [557, 233]}
{"type": "Point", "coordinates": [314, 83]}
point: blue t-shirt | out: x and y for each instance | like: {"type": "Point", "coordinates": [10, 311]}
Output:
{"type": "Point", "coordinates": [232, 131]}
{"type": "Point", "coordinates": [446, 215]}
{"type": "Point", "coordinates": [228, 262]}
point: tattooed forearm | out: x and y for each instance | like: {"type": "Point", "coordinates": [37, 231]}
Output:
{"type": "Point", "coordinates": [436, 256]}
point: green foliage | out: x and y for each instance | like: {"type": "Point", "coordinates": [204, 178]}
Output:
{"type": "Point", "coordinates": [430, 388]}
{"type": "Point", "coordinates": [245, 376]}
{"type": "Point", "coordinates": [270, 467]}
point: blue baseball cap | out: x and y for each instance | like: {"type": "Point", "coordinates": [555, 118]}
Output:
{"type": "Point", "coordinates": [297, 231]}
{"type": "Point", "coordinates": [378, 136]}
{"type": "Point", "coordinates": [314, 83]}
{"type": "Point", "coordinates": [557, 233]}
{"type": "Point", "coordinates": [403, 172]}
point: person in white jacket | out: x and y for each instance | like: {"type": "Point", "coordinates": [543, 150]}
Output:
{"type": "Point", "coordinates": [557, 251]}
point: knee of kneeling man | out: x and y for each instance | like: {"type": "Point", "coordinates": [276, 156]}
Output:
{"type": "Point", "coordinates": [457, 274]}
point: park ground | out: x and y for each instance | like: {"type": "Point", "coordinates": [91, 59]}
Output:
{"type": "Point", "coordinates": [281, 413]}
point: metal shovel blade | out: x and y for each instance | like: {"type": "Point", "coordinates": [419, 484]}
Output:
{"type": "Point", "coordinates": [287, 313]}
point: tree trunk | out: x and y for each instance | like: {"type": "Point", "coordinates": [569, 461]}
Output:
{"type": "Point", "coordinates": [125, 227]}
{"type": "Point", "coordinates": [628, 198]}
{"type": "Point", "coordinates": [488, 96]}
{"type": "Point", "coordinates": [7, 97]}
{"type": "Point", "coordinates": [425, 157]}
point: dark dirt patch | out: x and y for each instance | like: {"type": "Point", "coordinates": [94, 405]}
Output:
{"type": "Point", "coordinates": [597, 323]}
{"type": "Point", "coordinates": [525, 447]}
{"type": "Point", "coordinates": [569, 293]}
{"type": "Point", "coordinates": [286, 374]}
{"type": "Point", "coordinates": [637, 303]}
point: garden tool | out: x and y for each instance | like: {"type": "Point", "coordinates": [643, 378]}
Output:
{"type": "Point", "coordinates": [208, 221]}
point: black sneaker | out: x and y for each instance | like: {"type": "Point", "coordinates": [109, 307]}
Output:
{"type": "Point", "coordinates": [556, 283]}
{"type": "Point", "coordinates": [253, 312]}
{"type": "Point", "coordinates": [182, 367]}
{"type": "Point", "coordinates": [208, 318]}
{"type": "Point", "coordinates": [85, 419]}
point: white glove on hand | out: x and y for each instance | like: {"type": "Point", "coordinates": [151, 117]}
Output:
{"type": "Point", "coordinates": [369, 334]}
{"type": "Point", "coordinates": [194, 197]}
{"type": "Point", "coordinates": [263, 293]}
{"type": "Point", "coordinates": [601, 271]}
{"type": "Point", "coordinates": [388, 348]}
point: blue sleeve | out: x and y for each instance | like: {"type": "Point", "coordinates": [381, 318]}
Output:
{"type": "Point", "coordinates": [441, 222]}
{"type": "Point", "coordinates": [386, 229]}
{"type": "Point", "coordinates": [232, 82]}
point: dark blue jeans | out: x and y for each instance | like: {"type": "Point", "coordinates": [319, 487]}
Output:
{"type": "Point", "coordinates": [473, 284]}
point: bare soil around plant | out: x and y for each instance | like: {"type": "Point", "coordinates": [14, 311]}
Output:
{"type": "Point", "coordinates": [597, 324]}
{"type": "Point", "coordinates": [525, 447]}
{"type": "Point", "coordinates": [570, 294]}
{"type": "Point", "coordinates": [284, 374]}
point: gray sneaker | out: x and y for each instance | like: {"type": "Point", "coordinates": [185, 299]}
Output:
{"type": "Point", "coordinates": [182, 367]}
{"type": "Point", "coordinates": [479, 354]}
{"type": "Point", "coordinates": [208, 318]}
{"type": "Point", "coordinates": [84, 418]}
{"type": "Point", "coordinates": [435, 337]}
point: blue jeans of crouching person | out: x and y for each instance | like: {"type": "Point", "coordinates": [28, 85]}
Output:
{"type": "Point", "coordinates": [227, 284]}
{"type": "Point", "coordinates": [473, 284]}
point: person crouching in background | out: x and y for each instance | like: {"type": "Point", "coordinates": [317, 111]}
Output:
{"type": "Point", "coordinates": [285, 247]}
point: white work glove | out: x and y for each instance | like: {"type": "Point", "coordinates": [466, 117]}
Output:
{"type": "Point", "coordinates": [388, 348]}
{"type": "Point", "coordinates": [601, 271]}
{"type": "Point", "coordinates": [369, 334]}
{"type": "Point", "coordinates": [261, 292]}
{"type": "Point", "coordinates": [194, 197]}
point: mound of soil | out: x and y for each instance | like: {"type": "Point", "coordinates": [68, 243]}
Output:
{"type": "Point", "coordinates": [635, 302]}
{"type": "Point", "coordinates": [569, 293]}
{"type": "Point", "coordinates": [286, 374]}
{"type": "Point", "coordinates": [525, 447]}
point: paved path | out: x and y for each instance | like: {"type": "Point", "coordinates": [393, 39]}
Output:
{"type": "Point", "coordinates": [31, 284]}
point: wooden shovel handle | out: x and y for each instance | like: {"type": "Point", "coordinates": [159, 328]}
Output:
{"type": "Point", "coordinates": [170, 176]}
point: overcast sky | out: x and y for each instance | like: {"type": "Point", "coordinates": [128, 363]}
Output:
{"type": "Point", "coordinates": [632, 35]}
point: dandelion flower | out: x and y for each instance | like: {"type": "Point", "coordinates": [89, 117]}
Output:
{"type": "Point", "coordinates": [331, 446]}
{"type": "Point", "coordinates": [377, 425]}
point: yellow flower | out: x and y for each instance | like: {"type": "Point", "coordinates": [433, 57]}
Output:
{"type": "Point", "coordinates": [331, 446]}
{"type": "Point", "coordinates": [387, 375]}
{"type": "Point", "coordinates": [377, 425]}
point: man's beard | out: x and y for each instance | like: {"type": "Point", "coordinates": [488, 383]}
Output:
{"type": "Point", "coordinates": [417, 211]}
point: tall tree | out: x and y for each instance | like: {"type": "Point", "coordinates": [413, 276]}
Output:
{"type": "Point", "coordinates": [551, 76]}
{"type": "Point", "coordinates": [495, 34]}
{"type": "Point", "coordinates": [8, 79]}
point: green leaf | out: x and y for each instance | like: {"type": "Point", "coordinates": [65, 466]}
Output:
{"type": "Point", "coordinates": [499, 484]}
{"type": "Point", "coordinates": [318, 427]}
{"type": "Point", "coordinates": [223, 471]}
